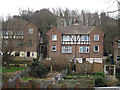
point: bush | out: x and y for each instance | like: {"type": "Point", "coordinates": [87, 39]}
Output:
{"type": "Point", "coordinates": [100, 74]}
{"type": "Point", "coordinates": [108, 60]}
{"type": "Point", "coordinates": [99, 81]}
{"type": "Point", "coordinates": [37, 69]}
{"type": "Point", "coordinates": [60, 62]}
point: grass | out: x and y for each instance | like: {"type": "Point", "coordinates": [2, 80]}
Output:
{"type": "Point", "coordinates": [12, 69]}
{"type": "Point", "coordinates": [30, 78]}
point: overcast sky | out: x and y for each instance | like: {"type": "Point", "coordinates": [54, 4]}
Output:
{"type": "Point", "coordinates": [11, 7]}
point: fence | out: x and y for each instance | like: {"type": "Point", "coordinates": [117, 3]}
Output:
{"type": "Point", "coordinates": [11, 82]}
{"type": "Point", "coordinates": [37, 85]}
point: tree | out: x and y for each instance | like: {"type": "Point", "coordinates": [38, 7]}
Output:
{"type": "Point", "coordinates": [60, 62]}
{"type": "Point", "coordinates": [43, 19]}
{"type": "Point", "coordinates": [9, 30]}
{"type": "Point", "coordinates": [37, 69]}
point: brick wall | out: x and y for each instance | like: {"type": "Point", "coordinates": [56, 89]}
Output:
{"type": "Point", "coordinates": [116, 50]}
{"type": "Point", "coordinates": [91, 53]}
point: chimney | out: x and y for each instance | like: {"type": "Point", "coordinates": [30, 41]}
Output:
{"type": "Point", "coordinates": [15, 17]}
{"type": "Point", "coordinates": [76, 22]}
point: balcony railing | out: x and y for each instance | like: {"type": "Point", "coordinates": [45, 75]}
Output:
{"type": "Point", "coordinates": [75, 42]}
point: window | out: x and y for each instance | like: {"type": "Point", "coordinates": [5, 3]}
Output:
{"type": "Point", "coordinates": [32, 53]}
{"type": "Point", "coordinates": [84, 38]}
{"type": "Point", "coordinates": [96, 37]}
{"type": "Point", "coordinates": [118, 45]}
{"type": "Point", "coordinates": [17, 53]}
{"type": "Point", "coordinates": [28, 54]}
{"type": "Point", "coordinates": [54, 48]}
{"type": "Point", "coordinates": [96, 48]}
{"type": "Point", "coordinates": [84, 49]}
{"type": "Point", "coordinates": [66, 49]}
{"type": "Point", "coordinates": [118, 58]}
{"type": "Point", "coordinates": [30, 31]}
{"type": "Point", "coordinates": [54, 37]}
{"type": "Point", "coordinates": [66, 38]}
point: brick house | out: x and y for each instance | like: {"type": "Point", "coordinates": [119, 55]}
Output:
{"type": "Point", "coordinates": [81, 44]}
{"type": "Point", "coordinates": [25, 37]}
{"type": "Point", "coordinates": [116, 49]}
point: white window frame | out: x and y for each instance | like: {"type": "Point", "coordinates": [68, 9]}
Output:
{"type": "Point", "coordinates": [53, 46]}
{"type": "Point", "coordinates": [54, 37]}
{"type": "Point", "coordinates": [67, 48]}
{"type": "Point", "coordinates": [118, 57]}
{"type": "Point", "coordinates": [30, 31]}
{"type": "Point", "coordinates": [118, 45]}
{"type": "Point", "coordinates": [94, 48]}
{"type": "Point", "coordinates": [97, 37]}
{"type": "Point", "coordinates": [81, 49]}
{"type": "Point", "coordinates": [83, 38]}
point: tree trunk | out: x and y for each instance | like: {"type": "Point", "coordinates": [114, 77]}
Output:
{"type": "Point", "coordinates": [7, 66]}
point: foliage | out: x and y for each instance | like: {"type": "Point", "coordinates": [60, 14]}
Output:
{"type": "Point", "coordinates": [60, 62]}
{"type": "Point", "coordinates": [37, 69]}
{"type": "Point", "coordinates": [100, 74]}
{"type": "Point", "coordinates": [47, 63]}
{"type": "Point", "coordinates": [43, 19]}
{"type": "Point", "coordinates": [12, 69]}
{"type": "Point", "coordinates": [108, 60]}
{"type": "Point", "coordinates": [99, 79]}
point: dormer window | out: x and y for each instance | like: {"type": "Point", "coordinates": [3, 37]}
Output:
{"type": "Point", "coordinates": [54, 37]}
{"type": "Point", "coordinates": [96, 37]}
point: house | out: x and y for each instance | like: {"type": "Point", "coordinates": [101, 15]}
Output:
{"type": "Point", "coordinates": [23, 36]}
{"type": "Point", "coordinates": [82, 44]}
{"type": "Point", "coordinates": [116, 49]}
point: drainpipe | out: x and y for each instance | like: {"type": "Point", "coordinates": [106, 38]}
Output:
{"type": "Point", "coordinates": [48, 46]}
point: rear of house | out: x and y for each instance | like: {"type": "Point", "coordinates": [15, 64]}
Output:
{"type": "Point", "coordinates": [116, 49]}
{"type": "Point", "coordinates": [23, 36]}
{"type": "Point", "coordinates": [81, 44]}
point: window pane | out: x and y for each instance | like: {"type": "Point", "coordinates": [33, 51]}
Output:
{"type": "Point", "coordinates": [66, 38]}
{"type": "Point", "coordinates": [84, 49]}
{"type": "Point", "coordinates": [54, 37]}
{"type": "Point", "coordinates": [66, 49]}
{"type": "Point", "coordinates": [84, 37]}
{"type": "Point", "coordinates": [96, 48]}
{"type": "Point", "coordinates": [54, 48]}
{"type": "Point", "coordinates": [30, 31]}
{"type": "Point", "coordinates": [96, 37]}
{"type": "Point", "coordinates": [118, 45]}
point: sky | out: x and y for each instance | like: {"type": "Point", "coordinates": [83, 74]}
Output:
{"type": "Point", "coordinates": [11, 7]}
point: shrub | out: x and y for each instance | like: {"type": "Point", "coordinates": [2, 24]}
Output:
{"type": "Point", "coordinates": [99, 81]}
{"type": "Point", "coordinates": [100, 74]}
{"type": "Point", "coordinates": [108, 60]}
{"type": "Point", "coordinates": [60, 62]}
{"type": "Point", "coordinates": [37, 69]}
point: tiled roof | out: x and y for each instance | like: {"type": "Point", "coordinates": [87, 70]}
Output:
{"type": "Point", "coordinates": [76, 29]}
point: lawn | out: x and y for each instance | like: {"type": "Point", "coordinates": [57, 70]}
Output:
{"type": "Point", "coordinates": [12, 69]}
